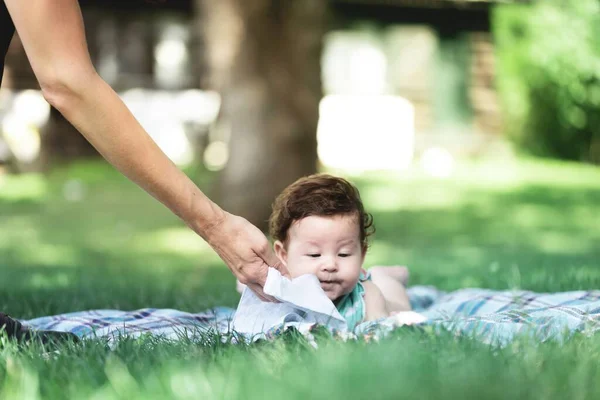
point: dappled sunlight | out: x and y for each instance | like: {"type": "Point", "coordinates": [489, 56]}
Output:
{"type": "Point", "coordinates": [74, 191]}
{"type": "Point", "coordinates": [49, 281]}
{"type": "Point", "coordinates": [216, 155]}
{"type": "Point", "coordinates": [21, 123]}
{"type": "Point", "coordinates": [426, 105]}
{"type": "Point", "coordinates": [561, 242]}
{"type": "Point", "coordinates": [459, 266]}
{"type": "Point", "coordinates": [36, 253]}
{"type": "Point", "coordinates": [353, 62]}
{"type": "Point", "coordinates": [534, 215]}
{"type": "Point", "coordinates": [172, 54]}
{"type": "Point", "coordinates": [480, 182]}
{"type": "Point", "coordinates": [17, 231]}
{"type": "Point", "coordinates": [381, 252]}
{"type": "Point", "coordinates": [502, 175]}
{"type": "Point", "coordinates": [30, 187]}
{"type": "Point", "coordinates": [24, 243]}
{"type": "Point", "coordinates": [28, 107]}
{"type": "Point", "coordinates": [402, 196]}
{"type": "Point", "coordinates": [172, 240]}
{"type": "Point", "coordinates": [35, 291]}
{"type": "Point", "coordinates": [568, 175]}
{"type": "Point", "coordinates": [504, 231]}
{"type": "Point", "coordinates": [484, 226]}
{"type": "Point", "coordinates": [437, 162]}
{"type": "Point", "coordinates": [174, 120]}
{"type": "Point", "coordinates": [491, 176]}
{"type": "Point", "coordinates": [23, 140]}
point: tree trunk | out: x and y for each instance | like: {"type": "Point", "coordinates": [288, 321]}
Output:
{"type": "Point", "coordinates": [264, 58]}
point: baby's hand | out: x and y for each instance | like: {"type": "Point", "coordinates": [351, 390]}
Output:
{"type": "Point", "coordinates": [408, 318]}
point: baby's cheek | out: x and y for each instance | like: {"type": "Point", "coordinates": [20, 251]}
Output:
{"type": "Point", "coordinates": [298, 269]}
{"type": "Point", "coordinates": [353, 276]}
{"type": "Point", "coordinates": [346, 286]}
{"type": "Point", "coordinates": [295, 272]}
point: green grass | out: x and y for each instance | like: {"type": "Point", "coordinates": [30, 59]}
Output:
{"type": "Point", "coordinates": [529, 224]}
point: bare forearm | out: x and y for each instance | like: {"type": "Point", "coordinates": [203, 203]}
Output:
{"type": "Point", "coordinates": [101, 116]}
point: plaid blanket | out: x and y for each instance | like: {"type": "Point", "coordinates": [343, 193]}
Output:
{"type": "Point", "coordinates": [495, 317]}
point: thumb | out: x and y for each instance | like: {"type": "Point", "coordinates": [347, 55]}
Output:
{"type": "Point", "coordinates": [274, 262]}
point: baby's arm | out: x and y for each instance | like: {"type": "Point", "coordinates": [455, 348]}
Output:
{"type": "Point", "coordinates": [375, 303]}
{"type": "Point", "coordinates": [391, 281]}
{"type": "Point", "coordinates": [376, 308]}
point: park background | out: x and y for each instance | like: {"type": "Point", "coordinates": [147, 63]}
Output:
{"type": "Point", "coordinates": [472, 129]}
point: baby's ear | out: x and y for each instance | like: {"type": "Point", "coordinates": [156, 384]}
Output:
{"type": "Point", "coordinates": [280, 251]}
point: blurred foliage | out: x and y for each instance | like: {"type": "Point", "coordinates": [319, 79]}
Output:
{"type": "Point", "coordinates": [549, 76]}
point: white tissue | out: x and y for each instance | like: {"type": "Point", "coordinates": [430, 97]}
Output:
{"type": "Point", "coordinates": [302, 300]}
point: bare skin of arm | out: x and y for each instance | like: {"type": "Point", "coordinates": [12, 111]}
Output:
{"type": "Point", "coordinates": [390, 283]}
{"type": "Point", "coordinates": [375, 304]}
{"type": "Point", "coordinates": [52, 33]}
{"type": "Point", "coordinates": [378, 304]}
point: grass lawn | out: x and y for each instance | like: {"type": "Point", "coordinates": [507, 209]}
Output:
{"type": "Point", "coordinates": [84, 238]}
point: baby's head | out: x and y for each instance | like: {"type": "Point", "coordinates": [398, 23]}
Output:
{"type": "Point", "coordinates": [320, 227]}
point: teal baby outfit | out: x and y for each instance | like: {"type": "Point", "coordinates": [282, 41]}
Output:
{"type": "Point", "coordinates": [352, 305]}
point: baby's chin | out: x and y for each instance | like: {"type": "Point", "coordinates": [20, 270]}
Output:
{"type": "Point", "coordinates": [332, 296]}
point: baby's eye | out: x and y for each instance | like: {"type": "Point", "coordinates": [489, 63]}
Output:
{"type": "Point", "coordinates": [314, 255]}
{"type": "Point", "coordinates": [345, 255]}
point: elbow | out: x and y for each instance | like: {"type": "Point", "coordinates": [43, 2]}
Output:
{"type": "Point", "coordinates": [55, 91]}
{"type": "Point", "coordinates": [62, 91]}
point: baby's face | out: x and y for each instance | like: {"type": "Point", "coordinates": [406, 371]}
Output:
{"type": "Point", "coordinates": [328, 247]}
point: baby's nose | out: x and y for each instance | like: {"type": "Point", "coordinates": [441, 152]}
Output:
{"type": "Point", "coordinates": [329, 265]}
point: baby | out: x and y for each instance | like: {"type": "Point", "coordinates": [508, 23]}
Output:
{"type": "Point", "coordinates": [320, 227]}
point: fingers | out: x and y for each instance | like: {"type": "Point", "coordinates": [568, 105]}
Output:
{"type": "Point", "coordinates": [273, 261]}
{"type": "Point", "coordinates": [282, 269]}
{"type": "Point", "coordinates": [257, 289]}
{"type": "Point", "coordinates": [262, 278]}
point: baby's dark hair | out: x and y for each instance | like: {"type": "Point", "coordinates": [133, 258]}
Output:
{"type": "Point", "coordinates": [319, 195]}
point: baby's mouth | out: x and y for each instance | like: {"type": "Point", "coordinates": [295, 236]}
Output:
{"type": "Point", "coordinates": [327, 284]}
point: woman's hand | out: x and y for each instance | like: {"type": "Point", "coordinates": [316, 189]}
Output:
{"type": "Point", "coordinates": [245, 250]}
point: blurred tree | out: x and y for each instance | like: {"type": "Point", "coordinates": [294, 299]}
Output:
{"type": "Point", "coordinates": [549, 76]}
{"type": "Point", "coordinates": [264, 58]}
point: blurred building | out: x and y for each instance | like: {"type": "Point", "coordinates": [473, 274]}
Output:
{"type": "Point", "coordinates": [436, 54]}
{"type": "Point", "coordinates": [148, 52]}
{"type": "Point", "coordinates": [132, 43]}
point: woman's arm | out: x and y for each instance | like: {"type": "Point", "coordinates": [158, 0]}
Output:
{"type": "Point", "coordinates": [53, 36]}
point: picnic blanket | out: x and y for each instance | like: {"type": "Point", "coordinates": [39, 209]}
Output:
{"type": "Point", "coordinates": [494, 317]}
